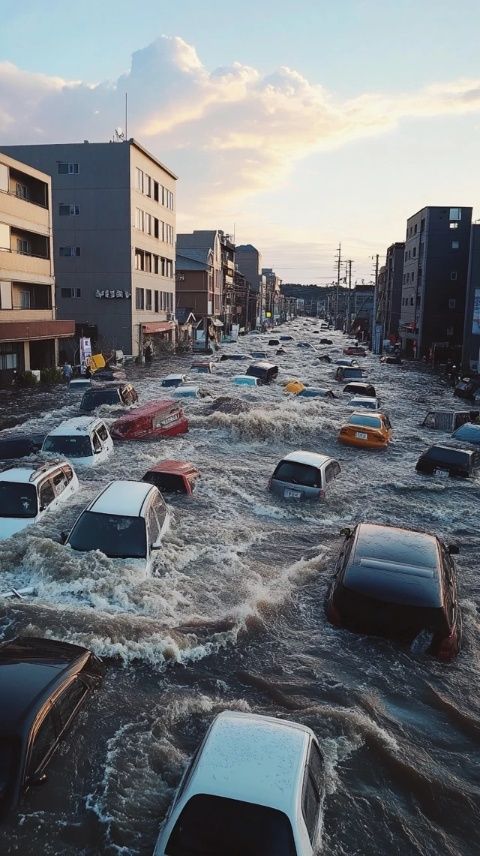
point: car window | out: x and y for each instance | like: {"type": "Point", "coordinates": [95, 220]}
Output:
{"type": "Point", "coordinates": [329, 474]}
{"type": "Point", "coordinates": [310, 804]}
{"type": "Point", "coordinates": [59, 481]}
{"type": "Point", "coordinates": [46, 494]}
{"type": "Point", "coordinates": [68, 473]}
{"type": "Point", "coordinates": [97, 443]}
{"type": "Point", "coordinates": [43, 743]}
{"type": "Point", "coordinates": [315, 765]}
{"type": "Point", "coordinates": [66, 705]}
{"type": "Point", "coordinates": [102, 432]}
{"type": "Point", "coordinates": [153, 526]}
{"type": "Point", "coordinates": [295, 473]}
{"type": "Point", "coordinates": [336, 468]}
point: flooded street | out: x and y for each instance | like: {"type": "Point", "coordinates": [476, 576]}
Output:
{"type": "Point", "coordinates": [233, 617]}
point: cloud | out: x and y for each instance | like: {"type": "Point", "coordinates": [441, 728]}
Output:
{"type": "Point", "coordinates": [228, 133]}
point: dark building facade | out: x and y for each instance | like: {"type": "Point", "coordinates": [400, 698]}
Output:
{"type": "Point", "coordinates": [471, 333]}
{"type": "Point", "coordinates": [390, 290]}
{"type": "Point", "coordinates": [434, 282]}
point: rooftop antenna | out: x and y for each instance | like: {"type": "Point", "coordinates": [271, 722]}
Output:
{"type": "Point", "coordinates": [118, 135]}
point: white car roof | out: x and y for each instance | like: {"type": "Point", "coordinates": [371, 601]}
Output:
{"type": "Point", "coordinates": [359, 399]}
{"type": "Point", "coordinates": [25, 475]}
{"type": "Point", "coordinates": [79, 424]}
{"type": "Point", "coordinates": [256, 759]}
{"type": "Point", "coordinates": [311, 459]}
{"type": "Point", "coordinates": [122, 497]}
{"type": "Point", "coordinates": [174, 377]}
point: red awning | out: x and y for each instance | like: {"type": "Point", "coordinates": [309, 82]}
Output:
{"type": "Point", "coordinates": [158, 327]}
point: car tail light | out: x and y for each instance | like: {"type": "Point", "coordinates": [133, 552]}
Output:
{"type": "Point", "coordinates": [448, 647]}
{"type": "Point", "coordinates": [333, 614]}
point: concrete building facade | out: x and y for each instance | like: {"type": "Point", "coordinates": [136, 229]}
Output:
{"type": "Point", "coordinates": [471, 333]}
{"type": "Point", "coordinates": [390, 283]}
{"type": "Point", "coordinates": [434, 282]}
{"type": "Point", "coordinates": [114, 240]}
{"type": "Point", "coordinates": [29, 330]}
{"type": "Point", "coordinates": [249, 263]}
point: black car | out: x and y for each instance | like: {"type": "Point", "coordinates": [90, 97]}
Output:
{"type": "Point", "coordinates": [326, 341]}
{"type": "Point", "coordinates": [265, 372]}
{"type": "Point", "coordinates": [108, 374]}
{"type": "Point", "coordinates": [453, 459]}
{"type": "Point", "coordinates": [392, 360]}
{"type": "Point", "coordinates": [366, 389]}
{"type": "Point", "coordinates": [400, 584]}
{"type": "Point", "coordinates": [467, 388]}
{"type": "Point", "coordinates": [286, 338]}
{"type": "Point", "coordinates": [43, 685]}
{"type": "Point", "coordinates": [123, 394]}
{"type": "Point", "coordinates": [233, 357]}
{"type": "Point", "coordinates": [20, 445]}
{"type": "Point", "coordinates": [274, 343]}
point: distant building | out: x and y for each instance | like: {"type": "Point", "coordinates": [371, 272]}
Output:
{"type": "Point", "coordinates": [29, 331]}
{"type": "Point", "coordinates": [114, 240]}
{"type": "Point", "coordinates": [471, 334]}
{"type": "Point", "coordinates": [362, 301]}
{"type": "Point", "coordinates": [199, 278]}
{"type": "Point", "coordinates": [435, 282]}
{"type": "Point", "coordinates": [273, 294]}
{"type": "Point", "coordinates": [390, 290]}
{"type": "Point", "coordinates": [249, 263]}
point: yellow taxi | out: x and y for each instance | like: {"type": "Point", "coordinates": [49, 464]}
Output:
{"type": "Point", "coordinates": [366, 430]}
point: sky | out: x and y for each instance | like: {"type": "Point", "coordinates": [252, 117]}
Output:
{"type": "Point", "coordinates": [296, 126]}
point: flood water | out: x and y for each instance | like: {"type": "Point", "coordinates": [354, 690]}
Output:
{"type": "Point", "coordinates": [233, 617]}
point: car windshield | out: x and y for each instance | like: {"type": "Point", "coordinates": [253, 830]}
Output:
{"type": "Point", "coordinates": [18, 500]}
{"type": "Point", "coordinates": [69, 445]}
{"type": "Point", "coordinates": [365, 421]}
{"type": "Point", "coordinates": [290, 471]}
{"type": "Point", "coordinates": [117, 536]}
{"type": "Point", "coordinates": [215, 826]}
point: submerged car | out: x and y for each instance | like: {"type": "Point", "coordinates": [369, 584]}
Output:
{"type": "Point", "coordinates": [27, 493]}
{"type": "Point", "coordinates": [173, 476]}
{"type": "Point", "coordinates": [294, 386]}
{"type": "Point", "coordinates": [126, 520]}
{"type": "Point", "coordinates": [366, 431]}
{"type": "Point", "coordinates": [397, 583]}
{"type": "Point", "coordinates": [84, 439]}
{"type": "Point", "coordinates": [263, 371]}
{"type": "Point", "coordinates": [303, 475]}
{"type": "Point", "coordinates": [259, 355]}
{"type": "Point", "coordinates": [174, 379]}
{"type": "Point", "coordinates": [364, 401]}
{"type": "Point", "coordinates": [354, 351]}
{"type": "Point", "coordinates": [273, 343]}
{"type": "Point", "coordinates": [109, 374]}
{"type": "Point", "coordinates": [245, 380]}
{"type": "Point", "coordinates": [469, 432]}
{"type": "Point", "coordinates": [286, 338]}
{"type": "Point", "coordinates": [254, 787]}
{"type": "Point", "coordinates": [349, 363]}
{"type": "Point", "coordinates": [19, 445]}
{"type": "Point", "coordinates": [325, 341]}
{"type": "Point", "coordinates": [348, 373]}
{"type": "Point", "coordinates": [44, 683]}
{"type": "Point", "coordinates": [468, 388]}
{"type": "Point", "coordinates": [391, 360]}
{"type": "Point", "coordinates": [162, 418]}
{"type": "Point", "coordinates": [79, 384]}
{"type": "Point", "coordinates": [358, 388]}
{"type": "Point", "coordinates": [236, 357]}
{"type": "Point", "coordinates": [187, 391]}
{"type": "Point", "coordinates": [202, 367]}
{"type": "Point", "coordinates": [316, 392]}
{"type": "Point", "coordinates": [122, 394]}
{"type": "Point", "coordinates": [449, 420]}
{"type": "Point", "coordinates": [450, 459]}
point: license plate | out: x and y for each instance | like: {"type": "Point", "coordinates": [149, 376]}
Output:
{"type": "Point", "coordinates": [292, 494]}
{"type": "Point", "coordinates": [361, 435]}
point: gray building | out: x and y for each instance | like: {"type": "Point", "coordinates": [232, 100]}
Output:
{"type": "Point", "coordinates": [390, 290]}
{"type": "Point", "coordinates": [249, 263]}
{"type": "Point", "coordinates": [434, 283]}
{"type": "Point", "coordinates": [114, 240]}
{"type": "Point", "coordinates": [471, 334]}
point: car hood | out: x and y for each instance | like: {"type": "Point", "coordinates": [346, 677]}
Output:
{"type": "Point", "coordinates": [11, 525]}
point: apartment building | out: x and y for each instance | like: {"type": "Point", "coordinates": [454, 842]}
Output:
{"type": "Point", "coordinates": [200, 277]}
{"type": "Point", "coordinates": [29, 331]}
{"type": "Point", "coordinates": [434, 282]}
{"type": "Point", "coordinates": [249, 262]}
{"type": "Point", "coordinates": [114, 241]}
{"type": "Point", "coordinates": [390, 283]}
{"type": "Point", "coordinates": [471, 332]}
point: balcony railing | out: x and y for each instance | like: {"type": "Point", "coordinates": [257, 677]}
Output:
{"type": "Point", "coordinates": [24, 253]}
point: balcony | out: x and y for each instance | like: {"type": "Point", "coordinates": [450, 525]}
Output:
{"type": "Point", "coordinates": [16, 265]}
{"type": "Point", "coordinates": [20, 331]}
{"type": "Point", "coordinates": [22, 213]}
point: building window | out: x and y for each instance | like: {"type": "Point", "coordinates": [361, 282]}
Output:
{"type": "Point", "coordinates": [455, 214]}
{"type": "Point", "coordinates": [418, 299]}
{"type": "Point", "coordinates": [21, 190]}
{"type": "Point", "coordinates": [414, 252]}
{"type": "Point", "coordinates": [155, 227]}
{"type": "Point", "coordinates": [69, 251]}
{"type": "Point", "coordinates": [411, 301]}
{"type": "Point", "coordinates": [422, 224]}
{"type": "Point", "coordinates": [139, 260]}
{"type": "Point", "coordinates": [70, 292]}
{"type": "Point", "coordinates": [24, 300]}
{"type": "Point", "coordinates": [452, 303]}
{"type": "Point", "coordinates": [454, 225]}
{"type": "Point", "coordinates": [455, 245]}
{"type": "Point", "coordinates": [24, 247]}
{"type": "Point", "coordinates": [453, 275]}
{"type": "Point", "coordinates": [140, 298]}
{"type": "Point", "coordinates": [147, 185]}
{"type": "Point", "coordinates": [155, 190]}
{"type": "Point", "coordinates": [415, 229]}
{"type": "Point", "coordinates": [155, 264]}
{"type": "Point", "coordinates": [148, 223]}
{"type": "Point", "coordinates": [156, 298]}
{"type": "Point", "coordinates": [148, 299]}
{"type": "Point", "coordinates": [68, 168]}
{"type": "Point", "coordinates": [449, 331]}
{"type": "Point", "coordinates": [139, 177]}
{"type": "Point", "coordinates": [68, 210]}
{"type": "Point", "coordinates": [139, 219]}
{"type": "Point", "coordinates": [148, 263]}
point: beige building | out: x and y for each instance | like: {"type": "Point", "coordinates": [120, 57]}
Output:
{"type": "Point", "coordinates": [29, 331]}
{"type": "Point", "coordinates": [114, 241]}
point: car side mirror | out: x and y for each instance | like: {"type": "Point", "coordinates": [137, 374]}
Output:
{"type": "Point", "coordinates": [63, 538]}
{"type": "Point", "coordinates": [346, 531]}
{"type": "Point", "coordinates": [453, 549]}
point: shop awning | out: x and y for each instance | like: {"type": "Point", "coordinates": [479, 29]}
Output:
{"type": "Point", "coordinates": [158, 326]}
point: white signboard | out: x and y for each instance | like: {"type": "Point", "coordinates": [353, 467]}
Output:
{"type": "Point", "coordinates": [85, 353]}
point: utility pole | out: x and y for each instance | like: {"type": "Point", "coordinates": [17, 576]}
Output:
{"type": "Point", "coordinates": [374, 318]}
{"type": "Point", "coordinates": [339, 264]}
{"type": "Point", "coordinates": [349, 264]}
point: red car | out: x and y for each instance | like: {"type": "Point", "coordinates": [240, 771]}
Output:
{"type": "Point", "coordinates": [354, 351]}
{"type": "Point", "coordinates": [163, 418]}
{"type": "Point", "coordinates": [173, 476]}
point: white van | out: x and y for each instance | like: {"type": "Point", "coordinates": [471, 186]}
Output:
{"type": "Point", "coordinates": [126, 520]}
{"type": "Point", "coordinates": [84, 439]}
{"type": "Point", "coordinates": [27, 493]}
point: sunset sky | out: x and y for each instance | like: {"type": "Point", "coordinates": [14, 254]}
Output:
{"type": "Point", "coordinates": [296, 124]}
